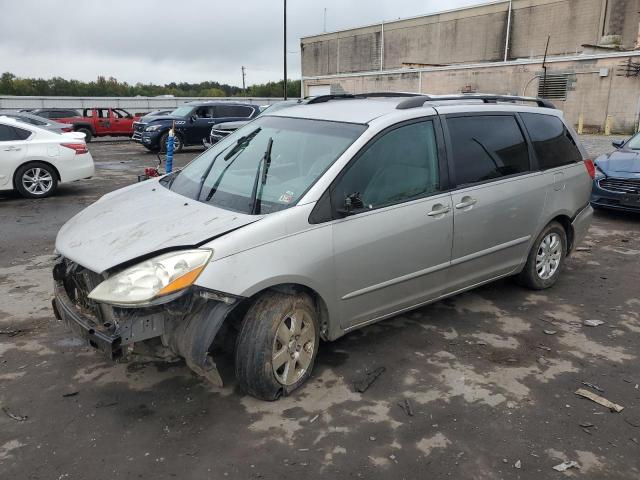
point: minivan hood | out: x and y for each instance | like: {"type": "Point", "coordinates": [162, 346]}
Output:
{"type": "Point", "coordinates": [627, 161]}
{"type": "Point", "coordinates": [139, 220]}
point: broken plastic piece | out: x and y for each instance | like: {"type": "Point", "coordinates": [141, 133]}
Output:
{"type": "Point", "coordinates": [363, 385]}
{"type": "Point", "coordinates": [564, 466]}
{"type": "Point", "coordinates": [592, 323]}
{"type": "Point", "coordinates": [614, 407]}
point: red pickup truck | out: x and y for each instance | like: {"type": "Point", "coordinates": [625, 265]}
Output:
{"type": "Point", "coordinates": [95, 122]}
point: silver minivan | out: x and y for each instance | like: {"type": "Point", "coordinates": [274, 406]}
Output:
{"type": "Point", "coordinates": [319, 219]}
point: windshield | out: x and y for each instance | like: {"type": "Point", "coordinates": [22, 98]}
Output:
{"type": "Point", "coordinates": [182, 111]}
{"type": "Point", "coordinates": [300, 152]}
{"type": "Point", "coordinates": [634, 143]}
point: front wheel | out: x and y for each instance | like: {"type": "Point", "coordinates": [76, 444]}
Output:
{"type": "Point", "coordinates": [277, 345]}
{"type": "Point", "coordinates": [177, 143]}
{"type": "Point", "coordinates": [546, 258]}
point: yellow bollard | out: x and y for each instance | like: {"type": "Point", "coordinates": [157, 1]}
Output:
{"type": "Point", "coordinates": [607, 125]}
{"type": "Point", "coordinates": [581, 123]}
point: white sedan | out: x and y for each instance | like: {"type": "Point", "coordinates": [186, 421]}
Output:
{"type": "Point", "coordinates": [33, 160]}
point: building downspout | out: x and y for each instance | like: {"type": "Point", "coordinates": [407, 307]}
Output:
{"type": "Point", "coordinates": [382, 46]}
{"type": "Point", "coordinates": [508, 35]}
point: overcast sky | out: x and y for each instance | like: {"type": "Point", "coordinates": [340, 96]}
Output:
{"type": "Point", "coordinates": [160, 41]}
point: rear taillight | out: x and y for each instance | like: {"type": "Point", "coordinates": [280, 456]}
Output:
{"type": "Point", "coordinates": [79, 148]}
{"type": "Point", "coordinates": [591, 168]}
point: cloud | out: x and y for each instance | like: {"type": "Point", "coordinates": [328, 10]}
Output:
{"type": "Point", "coordinates": [161, 41]}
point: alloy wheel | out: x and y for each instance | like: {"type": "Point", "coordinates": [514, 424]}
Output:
{"type": "Point", "coordinates": [549, 256]}
{"type": "Point", "coordinates": [37, 181]}
{"type": "Point", "coordinates": [293, 347]}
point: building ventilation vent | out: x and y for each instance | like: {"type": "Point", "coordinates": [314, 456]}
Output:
{"type": "Point", "coordinates": [553, 87]}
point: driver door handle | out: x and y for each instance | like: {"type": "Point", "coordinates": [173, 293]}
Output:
{"type": "Point", "coordinates": [438, 210]}
{"type": "Point", "coordinates": [466, 202]}
{"type": "Point", "coordinates": [12, 149]}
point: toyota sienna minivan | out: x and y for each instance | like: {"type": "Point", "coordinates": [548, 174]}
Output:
{"type": "Point", "coordinates": [320, 219]}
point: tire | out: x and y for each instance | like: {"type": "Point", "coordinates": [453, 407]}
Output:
{"type": "Point", "coordinates": [88, 135]}
{"type": "Point", "coordinates": [36, 180]}
{"type": "Point", "coordinates": [268, 324]}
{"type": "Point", "coordinates": [546, 258]}
{"type": "Point", "coordinates": [177, 143]}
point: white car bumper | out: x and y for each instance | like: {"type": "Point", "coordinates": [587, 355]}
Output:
{"type": "Point", "coordinates": [80, 167]}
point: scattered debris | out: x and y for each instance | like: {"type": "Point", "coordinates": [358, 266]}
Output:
{"type": "Point", "coordinates": [634, 422]}
{"type": "Point", "coordinates": [564, 466]}
{"type": "Point", "coordinates": [592, 323]}
{"type": "Point", "coordinates": [543, 361]}
{"type": "Point", "coordinates": [587, 425]}
{"type": "Point", "coordinates": [372, 438]}
{"type": "Point", "coordinates": [14, 333]}
{"type": "Point", "coordinates": [72, 394]}
{"type": "Point", "coordinates": [406, 407]}
{"type": "Point", "coordinates": [504, 460]}
{"type": "Point", "coordinates": [614, 407]}
{"type": "Point", "coordinates": [544, 347]}
{"type": "Point", "coordinates": [550, 332]}
{"type": "Point", "coordinates": [363, 385]}
{"type": "Point", "coordinates": [583, 249]}
{"type": "Point", "coordinates": [481, 343]}
{"type": "Point", "coordinates": [518, 464]}
{"type": "Point", "coordinates": [595, 387]}
{"type": "Point", "coordinates": [17, 418]}
{"type": "Point", "coordinates": [314, 418]}
{"type": "Point", "coordinates": [100, 404]}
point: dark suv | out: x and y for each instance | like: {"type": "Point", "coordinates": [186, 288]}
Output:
{"type": "Point", "coordinates": [193, 123]}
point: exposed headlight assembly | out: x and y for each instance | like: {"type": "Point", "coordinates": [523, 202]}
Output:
{"type": "Point", "coordinates": [153, 281]}
{"type": "Point", "coordinates": [153, 128]}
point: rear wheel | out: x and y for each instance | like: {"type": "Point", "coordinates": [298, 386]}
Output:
{"type": "Point", "coordinates": [88, 136]}
{"type": "Point", "coordinates": [546, 258]}
{"type": "Point", "coordinates": [277, 345]}
{"type": "Point", "coordinates": [36, 180]}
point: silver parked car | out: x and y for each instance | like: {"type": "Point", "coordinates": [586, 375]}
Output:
{"type": "Point", "coordinates": [45, 123]}
{"type": "Point", "coordinates": [317, 220]}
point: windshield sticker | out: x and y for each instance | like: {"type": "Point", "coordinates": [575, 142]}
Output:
{"type": "Point", "coordinates": [286, 197]}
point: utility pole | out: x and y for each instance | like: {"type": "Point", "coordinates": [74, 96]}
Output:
{"type": "Point", "coordinates": [285, 49]}
{"type": "Point", "coordinates": [244, 87]}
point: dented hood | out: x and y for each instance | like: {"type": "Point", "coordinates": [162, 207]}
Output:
{"type": "Point", "coordinates": [139, 220]}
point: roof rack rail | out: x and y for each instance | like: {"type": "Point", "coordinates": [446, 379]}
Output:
{"type": "Point", "coordinates": [351, 96]}
{"type": "Point", "coordinates": [416, 102]}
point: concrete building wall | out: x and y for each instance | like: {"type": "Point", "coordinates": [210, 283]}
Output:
{"type": "Point", "coordinates": [592, 95]}
{"type": "Point", "coordinates": [472, 35]}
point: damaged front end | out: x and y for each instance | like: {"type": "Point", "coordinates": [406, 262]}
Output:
{"type": "Point", "coordinates": [186, 325]}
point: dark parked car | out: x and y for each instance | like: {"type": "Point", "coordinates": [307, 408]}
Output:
{"type": "Point", "coordinates": [55, 113]}
{"type": "Point", "coordinates": [193, 123]}
{"type": "Point", "coordinates": [221, 130]}
{"type": "Point", "coordinates": [617, 182]}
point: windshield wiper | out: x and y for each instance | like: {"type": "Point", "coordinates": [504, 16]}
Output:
{"type": "Point", "coordinates": [255, 197]}
{"type": "Point", "coordinates": [241, 144]}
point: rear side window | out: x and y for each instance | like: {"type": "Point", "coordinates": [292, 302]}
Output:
{"type": "Point", "coordinates": [552, 142]}
{"type": "Point", "coordinates": [9, 133]}
{"type": "Point", "coordinates": [487, 147]}
{"type": "Point", "coordinates": [233, 111]}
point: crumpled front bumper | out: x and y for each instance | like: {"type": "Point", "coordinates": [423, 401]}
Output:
{"type": "Point", "coordinates": [100, 337]}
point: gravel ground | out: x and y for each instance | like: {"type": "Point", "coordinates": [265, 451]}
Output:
{"type": "Point", "coordinates": [492, 394]}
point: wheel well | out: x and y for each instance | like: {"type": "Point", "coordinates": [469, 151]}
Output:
{"type": "Point", "coordinates": [565, 221]}
{"type": "Point", "coordinates": [15, 174]}
{"type": "Point", "coordinates": [289, 289]}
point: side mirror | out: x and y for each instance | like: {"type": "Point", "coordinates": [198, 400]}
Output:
{"type": "Point", "coordinates": [352, 204]}
{"type": "Point", "coordinates": [618, 143]}
{"type": "Point", "coordinates": [192, 118]}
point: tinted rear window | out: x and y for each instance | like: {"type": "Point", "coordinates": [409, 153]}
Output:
{"type": "Point", "coordinates": [9, 133]}
{"type": "Point", "coordinates": [487, 147]}
{"type": "Point", "coordinates": [552, 142]}
{"type": "Point", "coordinates": [233, 111]}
